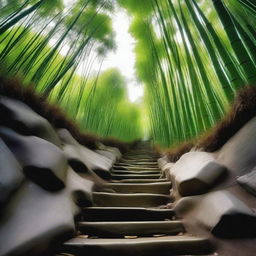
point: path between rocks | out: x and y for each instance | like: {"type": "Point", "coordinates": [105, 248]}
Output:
{"type": "Point", "coordinates": [131, 221]}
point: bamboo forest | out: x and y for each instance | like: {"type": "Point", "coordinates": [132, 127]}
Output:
{"type": "Point", "coordinates": [190, 58]}
{"type": "Point", "coordinates": [127, 127]}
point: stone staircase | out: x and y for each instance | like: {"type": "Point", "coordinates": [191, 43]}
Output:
{"type": "Point", "coordinates": [131, 220]}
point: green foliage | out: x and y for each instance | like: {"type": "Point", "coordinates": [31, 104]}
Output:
{"type": "Point", "coordinates": [104, 107]}
{"type": "Point", "coordinates": [142, 7]}
{"type": "Point", "coordinates": [187, 63]}
{"type": "Point", "coordinates": [81, 30]}
{"type": "Point", "coordinates": [50, 7]}
{"type": "Point", "coordinates": [90, 22]}
{"type": "Point", "coordinates": [33, 51]}
{"type": "Point", "coordinates": [191, 57]}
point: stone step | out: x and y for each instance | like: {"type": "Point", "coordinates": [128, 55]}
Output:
{"type": "Point", "coordinates": [144, 168]}
{"type": "Point", "coordinates": [160, 246]}
{"type": "Point", "coordinates": [138, 170]}
{"type": "Point", "coordinates": [138, 163]}
{"type": "Point", "coordinates": [135, 228]}
{"type": "Point", "coordinates": [156, 188]}
{"type": "Point", "coordinates": [139, 159]}
{"type": "Point", "coordinates": [125, 214]}
{"type": "Point", "coordinates": [134, 176]}
{"type": "Point", "coordinates": [116, 171]}
{"type": "Point", "coordinates": [132, 165]}
{"type": "Point", "coordinates": [129, 200]}
{"type": "Point", "coordinates": [140, 180]}
{"type": "Point", "coordinates": [136, 167]}
{"type": "Point", "coordinates": [149, 164]}
{"type": "Point", "coordinates": [138, 154]}
{"type": "Point", "coordinates": [141, 153]}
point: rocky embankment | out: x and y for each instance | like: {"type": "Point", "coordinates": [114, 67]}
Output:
{"type": "Point", "coordinates": [214, 193]}
{"type": "Point", "coordinates": [46, 177]}
{"type": "Point", "coordinates": [59, 197]}
{"type": "Point", "coordinates": [62, 197]}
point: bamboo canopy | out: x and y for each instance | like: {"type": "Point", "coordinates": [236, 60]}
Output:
{"type": "Point", "coordinates": [191, 58]}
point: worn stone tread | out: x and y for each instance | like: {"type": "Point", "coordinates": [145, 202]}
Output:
{"type": "Point", "coordinates": [134, 176]}
{"type": "Point", "coordinates": [127, 171]}
{"type": "Point", "coordinates": [141, 180]}
{"type": "Point", "coordinates": [163, 246]}
{"type": "Point", "coordinates": [126, 214]}
{"type": "Point", "coordinates": [148, 164]}
{"type": "Point", "coordinates": [126, 200]}
{"type": "Point", "coordinates": [157, 187]}
{"type": "Point", "coordinates": [135, 159]}
{"type": "Point", "coordinates": [152, 168]}
{"type": "Point", "coordinates": [135, 228]}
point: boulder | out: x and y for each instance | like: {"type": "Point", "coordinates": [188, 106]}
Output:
{"type": "Point", "coordinates": [80, 155]}
{"type": "Point", "coordinates": [166, 169]}
{"type": "Point", "coordinates": [21, 118]}
{"type": "Point", "coordinates": [221, 213]}
{"type": "Point", "coordinates": [80, 188]}
{"type": "Point", "coordinates": [113, 150]}
{"type": "Point", "coordinates": [66, 137]}
{"type": "Point", "coordinates": [96, 162]}
{"type": "Point", "coordinates": [248, 181]}
{"type": "Point", "coordinates": [238, 154]}
{"type": "Point", "coordinates": [77, 163]}
{"type": "Point", "coordinates": [42, 162]}
{"type": "Point", "coordinates": [107, 154]}
{"type": "Point", "coordinates": [35, 220]}
{"type": "Point", "coordinates": [11, 175]}
{"type": "Point", "coordinates": [162, 161]}
{"type": "Point", "coordinates": [196, 172]}
{"type": "Point", "coordinates": [74, 158]}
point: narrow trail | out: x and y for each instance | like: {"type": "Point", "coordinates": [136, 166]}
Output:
{"type": "Point", "coordinates": [130, 220]}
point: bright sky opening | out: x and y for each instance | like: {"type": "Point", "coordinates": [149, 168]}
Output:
{"type": "Point", "coordinates": [124, 57]}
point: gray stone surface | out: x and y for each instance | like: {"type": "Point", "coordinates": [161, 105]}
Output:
{"type": "Point", "coordinates": [248, 181]}
{"type": "Point", "coordinates": [166, 169]}
{"type": "Point", "coordinates": [156, 188]}
{"type": "Point", "coordinates": [113, 150]}
{"type": "Point", "coordinates": [100, 164]}
{"type": "Point", "coordinates": [107, 154]}
{"type": "Point", "coordinates": [11, 174]}
{"type": "Point", "coordinates": [195, 173]}
{"type": "Point", "coordinates": [150, 246]}
{"type": "Point", "coordinates": [238, 154]}
{"type": "Point", "coordinates": [80, 188]}
{"type": "Point", "coordinates": [221, 213]}
{"type": "Point", "coordinates": [134, 176]}
{"type": "Point", "coordinates": [167, 166]}
{"type": "Point", "coordinates": [126, 214]}
{"type": "Point", "coordinates": [24, 120]}
{"type": "Point", "coordinates": [66, 137]}
{"type": "Point", "coordinates": [162, 161]}
{"type": "Point", "coordinates": [42, 162]}
{"type": "Point", "coordinates": [72, 153]}
{"type": "Point", "coordinates": [129, 200]}
{"type": "Point", "coordinates": [34, 219]}
{"type": "Point", "coordinates": [130, 228]}
{"type": "Point", "coordinates": [92, 160]}
{"type": "Point", "coordinates": [74, 158]}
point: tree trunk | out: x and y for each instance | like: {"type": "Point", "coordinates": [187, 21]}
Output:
{"type": "Point", "coordinates": [20, 16]}
{"type": "Point", "coordinates": [236, 42]}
